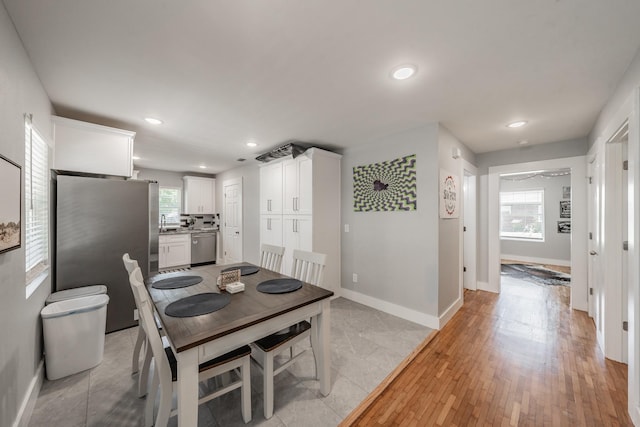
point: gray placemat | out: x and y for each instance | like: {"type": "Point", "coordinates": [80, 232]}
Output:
{"type": "Point", "coordinates": [195, 305]}
{"type": "Point", "coordinates": [245, 270]}
{"type": "Point", "coordinates": [279, 286]}
{"type": "Point", "coordinates": [177, 282]}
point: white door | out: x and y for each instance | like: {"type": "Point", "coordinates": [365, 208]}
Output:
{"type": "Point", "coordinates": [232, 220]}
{"type": "Point", "coordinates": [290, 186]}
{"type": "Point", "coordinates": [469, 232]}
{"type": "Point", "coordinates": [596, 269]}
{"type": "Point", "coordinates": [624, 208]}
{"type": "Point", "coordinates": [304, 201]}
{"type": "Point", "coordinates": [271, 189]}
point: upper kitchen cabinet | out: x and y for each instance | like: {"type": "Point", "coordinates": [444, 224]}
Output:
{"type": "Point", "coordinates": [199, 195]}
{"type": "Point", "coordinates": [297, 178]}
{"type": "Point", "coordinates": [271, 189]}
{"type": "Point", "coordinates": [91, 148]}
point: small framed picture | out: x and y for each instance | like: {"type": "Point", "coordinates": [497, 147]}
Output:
{"type": "Point", "coordinates": [564, 227]}
{"type": "Point", "coordinates": [10, 207]}
{"type": "Point", "coordinates": [565, 208]}
{"type": "Point", "coordinates": [566, 192]}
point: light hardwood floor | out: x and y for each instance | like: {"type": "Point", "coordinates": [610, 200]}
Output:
{"type": "Point", "coordinates": [521, 357]}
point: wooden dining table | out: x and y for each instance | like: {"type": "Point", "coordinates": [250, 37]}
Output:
{"type": "Point", "coordinates": [249, 316]}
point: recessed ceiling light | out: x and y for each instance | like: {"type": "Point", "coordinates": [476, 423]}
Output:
{"type": "Point", "coordinates": [403, 72]}
{"type": "Point", "coordinates": [153, 121]}
{"type": "Point", "coordinates": [251, 144]}
{"type": "Point", "coordinates": [523, 142]}
{"type": "Point", "coordinates": [136, 157]}
{"type": "Point", "coordinates": [202, 167]}
{"type": "Point", "coordinates": [517, 124]}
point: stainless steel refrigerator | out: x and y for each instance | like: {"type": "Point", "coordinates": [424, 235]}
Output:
{"type": "Point", "coordinates": [96, 221]}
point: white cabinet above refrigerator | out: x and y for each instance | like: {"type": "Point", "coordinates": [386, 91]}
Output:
{"type": "Point", "coordinates": [90, 148]}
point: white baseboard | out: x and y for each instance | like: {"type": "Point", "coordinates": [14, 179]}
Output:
{"type": "Point", "coordinates": [29, 401]}
{"type": "Point", "coordinates": [561, 262]}
{"type": "Point", "coordinates": [393, 309]}
{"type": "Point", "coordinates": [449, 312]}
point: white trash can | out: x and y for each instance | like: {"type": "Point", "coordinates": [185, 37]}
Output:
{"type": "Point", "coordinates": [83, 291]}
{"type": "Point", "coordinates": [74, 334]}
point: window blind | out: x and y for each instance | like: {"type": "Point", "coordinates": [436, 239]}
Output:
{"type": "Point", "coordinates": [170, 204]}
{"type": "Point", "coordinates": [36, 203]}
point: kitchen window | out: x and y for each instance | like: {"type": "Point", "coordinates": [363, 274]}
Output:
{"type": "Point", "coordinates": [522, 215]}
{"type": "Point", "coordinates": [36, 206]}
{"type": "Point", "coordinates": [170, 204]}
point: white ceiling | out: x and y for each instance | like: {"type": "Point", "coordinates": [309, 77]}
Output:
{"type": "Point", "coordinates": [220, 73]}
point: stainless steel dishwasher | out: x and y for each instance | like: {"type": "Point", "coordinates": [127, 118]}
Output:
{"type": "Point", "coordinates": [203, 247]}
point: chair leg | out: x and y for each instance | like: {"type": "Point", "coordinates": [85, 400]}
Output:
{"type": "Point", "coordinates": [143, 378]}
{"type": "Point", "coordinates": [135, 360]}
{"type": "Point", "coordinates": [151, 399]}
{"type": "Point", "coordinates": [166, 395]}
{"type": "Point", "coordinates": [246, 390]}
{"type": "Point", "coordinates": [267, 368]}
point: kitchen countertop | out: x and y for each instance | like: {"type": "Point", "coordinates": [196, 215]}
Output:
{"type": "Point", "coordinates": [187, 231]}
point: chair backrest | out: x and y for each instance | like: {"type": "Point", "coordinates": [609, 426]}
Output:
{"type": "Point", "coordinates": [129, 264]}
{"type": "Point", "coordinates": [271, 257]}
{"type": "Point", "coordinates": [147, 319]}
{"type": "Point", "coordinates": [308, 266]}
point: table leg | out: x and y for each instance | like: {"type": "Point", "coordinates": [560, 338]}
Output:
{"type": "Point", "coordinates": [322, 346]}
{"type": "Point", "coordinates": [188, 388]}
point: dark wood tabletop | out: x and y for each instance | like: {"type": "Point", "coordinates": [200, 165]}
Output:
{"type": "Point", "coordinates": [245, 309]}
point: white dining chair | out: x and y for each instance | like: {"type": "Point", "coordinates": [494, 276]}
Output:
{"type": "Point", "coordinates": [165, 366]}
{"type": "Point", "coordinates": [271, 257]}
{"type": "Point", "coordinates": [308, 267]}
{"type": "Point", "coordinates": [141, 340]}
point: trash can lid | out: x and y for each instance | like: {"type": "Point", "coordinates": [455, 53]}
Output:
{"type": "Point", "coordinates": [74, 306]}
{"type": "Point", "coordinates": [83, 291]}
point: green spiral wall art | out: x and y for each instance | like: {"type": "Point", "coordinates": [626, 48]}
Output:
{"type": "Point", "coordinates": [386, 186]}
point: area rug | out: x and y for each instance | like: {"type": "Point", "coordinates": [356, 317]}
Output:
{"type": "Point", "coordinates": [536, 274]}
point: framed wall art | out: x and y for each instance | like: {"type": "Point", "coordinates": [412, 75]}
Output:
{"type": "Point", "coordinates": [449, 195]}
{"type": "Point", "coordinates": [385, 186]}
{"type": "Point", "coordinates": [564, 227]}
{"type": "Point", "coordinates": [10, 208]}
{"type": "Point", "coordinates": [565, 208]}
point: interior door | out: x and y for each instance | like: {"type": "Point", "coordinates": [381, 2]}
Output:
{"type": "Point", "coordinates": [232, 190]}
{"type": "Point", "coordinates": [596, 270]}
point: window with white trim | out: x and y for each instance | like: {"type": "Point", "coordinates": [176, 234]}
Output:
{"type": "Point", "coordinates": [522, 214]}
{"type": "Point", "coordinates": [36, 202]}
{"type": "Point", "coordinates": [170, 199]}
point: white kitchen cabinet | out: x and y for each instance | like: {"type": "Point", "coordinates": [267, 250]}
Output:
{"type": "Point", "coordinates": [271, 229]}
{"type": "Point", "coordinates": [297, 234]}
{"type": "Point", "coordinates": [271, 189]}
{"type": "Point", "coordinates": [310, 219]}
{"type": "Point", "coordinates": [199, 195]}
{"type": "Point", "coordinates": [297, 179]}
{"type": "Point", "coordinates": [90, 148]}
{"type": "Point", "coordinates": [174, 250]}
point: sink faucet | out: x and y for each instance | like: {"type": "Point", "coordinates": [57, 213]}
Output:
{"type": "Point", "coordinates": [163, 223]}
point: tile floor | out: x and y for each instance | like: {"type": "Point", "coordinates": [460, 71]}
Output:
{"type": "Point", "coordinates": [366, 345]}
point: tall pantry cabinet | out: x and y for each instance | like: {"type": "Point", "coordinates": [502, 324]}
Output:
{"type": "Point", "coordinates": [300, 208]}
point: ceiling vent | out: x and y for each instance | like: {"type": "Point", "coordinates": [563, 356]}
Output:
{"type": "Point", "coordinates": [282, 151]}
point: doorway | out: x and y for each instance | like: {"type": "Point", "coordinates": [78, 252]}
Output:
{"type": "Point", "coordinates": [578, 239]}
{"type": "Point", "coordinates": [232, 221]}
{"type": "Point", "coordinates": [469, 227]}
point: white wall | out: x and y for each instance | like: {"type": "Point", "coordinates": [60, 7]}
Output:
{"type": "Point", "coordinates": [450, 230]}
{"type": "Point", "coordinates": [556, 246]}
{"type": "Point", "coordinates": [21, 332]}
{"type": "Point", "coordinates": [395, 254]}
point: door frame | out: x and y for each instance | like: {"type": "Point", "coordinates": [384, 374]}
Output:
{"type": "Point", "coordinates": [225, 184]}
{"type": "Point", "coordinates": [579, 255]}
{"type": "Point", "coordinates": [469, 237]}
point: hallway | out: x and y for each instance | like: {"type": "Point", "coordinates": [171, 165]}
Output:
{"type": "Point", "coordinates": [521, 357]}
